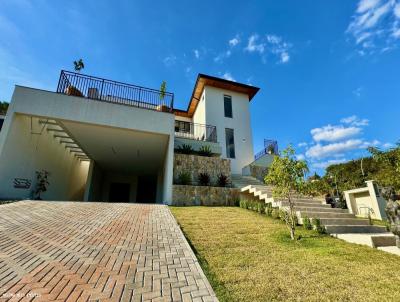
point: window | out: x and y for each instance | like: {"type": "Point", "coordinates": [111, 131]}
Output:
{"type": "Point", "coordinates": [228, 105]}
{"type": "Point", "coordinates": [183, 127]}
{"type": "Point", "coordinates": [230, 143]}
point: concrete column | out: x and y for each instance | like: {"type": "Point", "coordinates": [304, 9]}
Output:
{"type": "Point", "coordinates": [168, 172]}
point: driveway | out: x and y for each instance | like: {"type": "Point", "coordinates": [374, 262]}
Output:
{"type": "Point", "coordinates": [76, 251]}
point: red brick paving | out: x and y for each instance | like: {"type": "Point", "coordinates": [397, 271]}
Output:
{"type": "Point", "coordinates": [76, 251]}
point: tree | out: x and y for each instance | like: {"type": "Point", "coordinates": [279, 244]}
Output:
{"type": "Point", "coordinates": [390, 165]}
{"type": "Point", "coordinates": [79, 65]}
{"type": "Point", "coordinates": [163, 90]}
{"type": "Point", "coordinates": [3, 107]}
{"type": "Point", "coordinates": [286, 174]}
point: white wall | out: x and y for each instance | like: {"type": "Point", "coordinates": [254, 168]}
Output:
{"type": "Point", "coordinates": [214, 115]}
{"type": "Point", "coordinates": [25, 152]}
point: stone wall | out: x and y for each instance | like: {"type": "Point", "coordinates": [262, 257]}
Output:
{"type": "Point", "coordinates": [204, 196]}
{"type": "Point", "coordinates": [195, 164]}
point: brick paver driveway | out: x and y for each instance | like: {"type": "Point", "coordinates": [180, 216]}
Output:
{"type": "Point", "coordinates": [66, 251]}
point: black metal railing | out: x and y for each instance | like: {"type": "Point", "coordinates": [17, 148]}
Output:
{"type": "Point", "coordinates": [90, 87]}
{"type": "Point", "coordinates": [195, 131]}
{"type": "Point", "coordinates": [270, 147]}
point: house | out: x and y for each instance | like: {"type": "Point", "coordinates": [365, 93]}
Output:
{"type": "Point", "coordinates": [103, 140]}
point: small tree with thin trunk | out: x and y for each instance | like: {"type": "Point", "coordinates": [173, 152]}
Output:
{"type": "Point", "coordinates": [286, 174]}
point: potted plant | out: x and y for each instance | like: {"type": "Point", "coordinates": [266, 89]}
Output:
{"type": "Point", "coordinates": [42, 183]}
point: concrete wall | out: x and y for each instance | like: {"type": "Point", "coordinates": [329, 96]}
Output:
{"type": "Point", "coordinates": [28, 149]}
{"type": "Point", "coordinates": [360, 200]}
{"type": "Point", "coordinates": [21, 153]}
{"type": "Point", "coordinates": [240, 122]}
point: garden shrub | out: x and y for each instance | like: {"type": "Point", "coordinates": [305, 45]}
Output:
{"type": "Point", "coordinates": [317, 225]}
{"type": "Point", "coordinates": [243, 204]}
{"type": "Point", "coordinates": [204, 179]}
{"type": "Point", "coordinates": [268, 210]}
{"type": "Point", "coordinates": [307, 223]}
{"type": "Point", "coordinates": [275, 213]}
{"type": "Point", "coordinates": [184, 178]}
{"type": "Point", "coordinates": [185, 149]}
{"type": "Point", "coordinates": [261, 207]}
{"type": "Point", "coordinates": [205, 151]}
{"type": "Point", "coordinates": [222, 180]}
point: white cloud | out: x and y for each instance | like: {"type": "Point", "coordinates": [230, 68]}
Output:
{"type": "Point", "coordinates": [300, 157]}
{"type": "Point", "coordinates": [169, 60]}
{"type": "Point", "coordinates": [397, 10]}
{"type": "Point", "coordinates": [285, 57]}
{"type": "Point", "coordinates": [302, 144]}
{"type": "Point", "coordinates": [228, 76]}
{"type": "Point", "coordinates": [234, 41]}
{"type": "Point", "coordinates": [334, 133]}
{"type": "Point", "coordinates": [374, 25]}
{"type": "Point", "coordinates": [355, 121]}
{"type": "Point", "coordinates": [253, 46]}
{"type": "Point", "coordinates": [319, 151]}
{"type": "Point", "coordinates": [357, 92]}
{"type": "Point", "coordinates": [269, 44]}
{"type": "Point", "coordinates": [387, 145]}
{"type": "Point", "coordinates": [365, 5]}
{"type": "Point", "coordinates": [223, 56]}
{"type": "Point", "coordinates": [324, 164]}
{"type": "Point", "coordinates": [196, 53]}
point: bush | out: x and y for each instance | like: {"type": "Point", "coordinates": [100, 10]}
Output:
{"type": "Point", "coordinates": [185, 149]}
{"type": "Point", "coordinates": [275, 213]}
{"type": "Point", "coordinates": [243, 204]}
{"type": "Point", "coordinates": [204, 179]}
{"type": "Point", "coordinates": [317, 226]}
{"type": "Point", "coordinates": [268, 210]}
{"type": "Point", "coordinates": [261, 207]}
{"type": "Point", "coordinates": [307, 223]}
{"type": "Point", "coordinates": [222, 180]}
{"type": "Point", "coordinates": [184, 178]}
{"type": "Point", "coordinates": [205, 151]}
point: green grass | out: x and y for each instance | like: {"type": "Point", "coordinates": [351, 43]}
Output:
{"type": "Point", "coordinates": [250, 257]}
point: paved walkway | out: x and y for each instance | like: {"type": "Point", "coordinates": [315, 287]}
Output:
{"type": "Point", "coordinates": [65, 251]}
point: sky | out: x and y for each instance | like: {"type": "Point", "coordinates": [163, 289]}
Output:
{"type": "Point", "coordinates": [328, 71]}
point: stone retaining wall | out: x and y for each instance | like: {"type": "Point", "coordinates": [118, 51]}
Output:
{"type": "Point", "coordinates": [204, 196]}
{"type": "Point", "coordinates": [195, 164]}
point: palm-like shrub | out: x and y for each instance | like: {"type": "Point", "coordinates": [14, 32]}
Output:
{"type": "Point", "coordinates": [204, 179]}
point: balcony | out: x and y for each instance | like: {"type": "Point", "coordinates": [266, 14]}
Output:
{"type": "Point", "coordinates": [200, 132]}
{"type": "Point", "coordinates": [197, 136]}
{"type": "Point", "coordinates": [80, 85]}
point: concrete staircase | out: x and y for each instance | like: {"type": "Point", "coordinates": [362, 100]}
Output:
{"type": "Point", "coordinates": [336, 221]}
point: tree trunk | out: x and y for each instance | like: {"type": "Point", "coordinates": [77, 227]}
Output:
{"type": "Point", "coordinates": [292, 235]}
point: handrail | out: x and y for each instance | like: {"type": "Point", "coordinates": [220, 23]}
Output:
{"type": "Point", "coordinates": [196, 131]}
{"type": "Point", "coordinates": [91, 87]}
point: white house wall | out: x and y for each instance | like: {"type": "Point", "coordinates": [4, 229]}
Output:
{"type": "Point", "coordinates": [25, 152]}
{"type": "Point", "coordinates": [214, 115]}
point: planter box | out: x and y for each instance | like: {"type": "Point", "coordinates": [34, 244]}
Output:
{"type": "Point", "coordinates": [204, 196]}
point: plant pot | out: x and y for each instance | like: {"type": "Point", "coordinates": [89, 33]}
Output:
{"type": "Point", "coordinates": [71, 90]}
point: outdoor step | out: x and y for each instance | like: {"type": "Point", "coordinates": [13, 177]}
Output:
{"type": "Point", "coordinates": [383, 240]}
{"type": "Point", "coordinates": [356, 229]}
{"type": "Point", "coordinates": [303, 204]}
{"type": "Point", "coordinates": [344, 221]}
{"type": "Point", "coordinates": [319, 209]}
{"type": "Point", "coordinates": [327, 215]}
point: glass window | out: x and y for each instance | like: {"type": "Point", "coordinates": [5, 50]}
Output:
{"type": "Point", "coordinates": [230, 143]}
{"type": "Point", "coordinates": [228, 105]}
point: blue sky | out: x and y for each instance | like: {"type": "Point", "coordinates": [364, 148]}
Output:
{"type": "Point", "coordinates": [329, 71]}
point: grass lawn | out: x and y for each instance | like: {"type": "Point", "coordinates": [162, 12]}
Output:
{"type": "Point", "coordinates": [250, 257]}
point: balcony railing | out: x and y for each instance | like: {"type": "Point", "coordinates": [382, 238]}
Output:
{"type": "Point", "coordinates": [90, 87]}
{"type": "Point", "coordinates": [195, 131]}
{"type": "Point", "coordinates": [270, 147]}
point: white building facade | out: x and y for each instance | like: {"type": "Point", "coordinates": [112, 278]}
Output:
{"type": "Point", "coordinates": [101, 140]}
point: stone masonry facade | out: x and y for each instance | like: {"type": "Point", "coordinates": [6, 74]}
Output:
{"type": "Point", "coordinates": [204, 196]}
{"type": "Point", "coordinates": [195, 164]}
